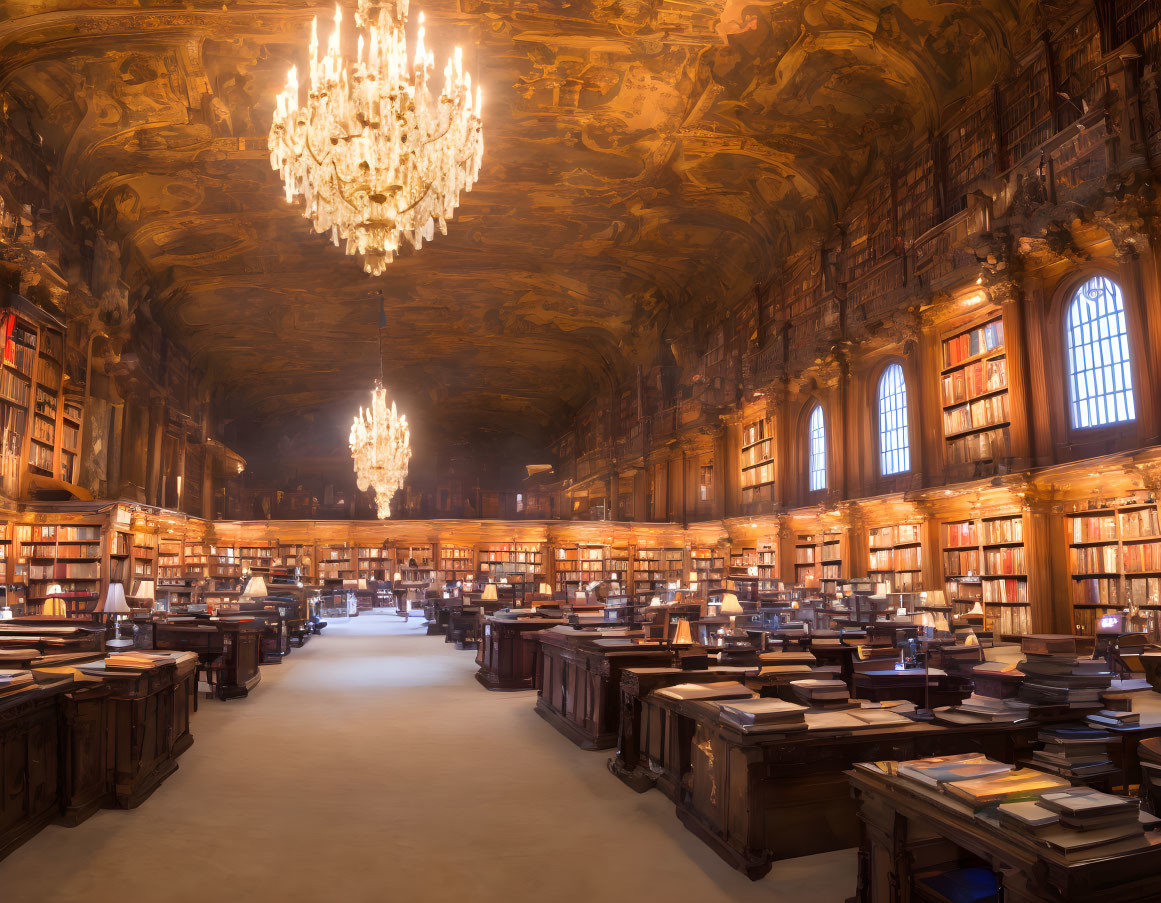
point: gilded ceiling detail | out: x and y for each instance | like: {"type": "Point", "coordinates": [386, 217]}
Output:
{"type": "Point", "coordinates": [647, 162]}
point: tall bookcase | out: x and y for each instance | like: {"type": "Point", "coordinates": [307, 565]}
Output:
{"type": "Point", "coordinates": [256, 556]}
{"type": "Point", "coordinates": [579, 563]}
{"type": "Point", "coordinates": [896, 557]}
{"type": "Point", "coordinates": [807, 560]}
{"type": "Point", "coordinates": [456, 562]}
{"type": "Point", "coordinates": [522, 560]}
{"type": "Point", "coordinates": [984, 561]}
{"type": "Point", "coordinates": [831, 561]}
{"type": "Point", "coordinates": [768, 579]}
{"type": "Point", "coordinates": [708, 567]}
{"type": "Point", "coordinates": [68, 555]}
{"type": "Point", "coordinates": [974, 394]}
{"type": "Point", "coordinates": [337, 563]}
{"type": "Point", "coordinates": [656, 568]}
{"type": "Point", "coordinates": [757, 461]}
{"type": "Point", "coordinates": [375, 563]}
{"type": "Point", "coordinates": [1114, 559]}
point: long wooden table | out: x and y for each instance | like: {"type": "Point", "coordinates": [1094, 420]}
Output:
{"type": "Point", "coordinates": [903, 827]}
{"type": "Point", "coordinates": [578, 681]}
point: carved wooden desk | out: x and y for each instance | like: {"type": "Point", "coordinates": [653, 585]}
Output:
{"type": "Point", "coordinates": [757, 798]}
{"type": "Point", "coordinates": [901, 824]}
{"type": "Point", "coordinates": [578, 682]}
{"type": "Point", "coordinates": [234, 643]}
{"type": "Point", "coordinates": [507, 651]}
{"type": "Point", "coordinates": [30, 772]}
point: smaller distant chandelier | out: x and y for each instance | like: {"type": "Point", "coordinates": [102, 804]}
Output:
{"type": "Point", "coordinates": [381, 449]}
{"type": "Point", "coordinates": [373, 155]}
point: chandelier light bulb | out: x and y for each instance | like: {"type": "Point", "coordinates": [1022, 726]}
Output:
{"type": "Point", "coordinates": [381, 449]}
{"type": "Point", "coordinates": [375, 158]}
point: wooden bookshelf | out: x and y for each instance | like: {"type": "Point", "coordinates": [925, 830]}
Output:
{"type": "Point", "coordinates": [336, 563]}
{"type": "Point", "coordinates": [169, 561]}
{"type": "Point", "coordinates": [143, 565]}
{"type": "Point", "coordinates": [375, 563]}
{"type": "Point", "coordinates": [708, 568]}
{"type": "Point", "coordinates": [757, 461]}
{"type": "Point", "coordinates": [807, 560]}
{"type": "Point", "coordinates": [655, 569]}
{"type": "Point", "coordinates": [896, 557]}
{"type": "Point", "coordinates": [579, 563]}
{"type": "Point", "coordinates": [68, 555]}
{"type": "Point", "coordinates": [974, 394]}
{"type": "Point", "coordinates": [768, 579]}
{"type": "Point", "coordinates": [831, 561]}
{"type": "Point", "coordinates": [224, 563]}
{"type": "Point", "coordinates": [291, 555]}
{"type": "Point", "coordinates": [518, 561]}
{"type": "Point", "coordinates": [984, 561]}
{"type": "Point", "coordinates": [456, 562]}
{"type": "Point", "coordinates": [1114, 559]}
{"type": "Point", "coordinates": [257, 556]}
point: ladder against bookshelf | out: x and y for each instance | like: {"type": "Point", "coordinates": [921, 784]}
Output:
{"type": "Point", "coordinates": [807, 560]}
{"type": "Point", "coordinates": [896, 557]}
{"type": "Point", "coordinates": [974, 393]}
{"type": "Point", "coordinates": [1114, 559]}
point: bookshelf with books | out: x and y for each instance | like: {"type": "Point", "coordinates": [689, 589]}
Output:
{"type": "Point", "coordinates": [256, 557]}
{"type": "Point", "coordinates": [768, 579]}
{"type": "Point", "coordinates": [984, 562]}
{"type": "Point", "coordinates": [65, 555]}
{"type": "Point", "coordinates": [708, 569]}
{"type": "Point", "coordinates": [831, 562]}
{"type": "Point", "coordinates": [578, 564]}
{"type": "Point", "coordinates": [807, 560]}
{"type": "Point", "coordinates": [896, 557]}
{"type": "Point", "coordinates": [336, 562]}
{"type": "Point", "coordinates": [195, 560]}
{"type": "Point", "coordinates": [1114, 560]}
{"type": "Point", "coordinates": [169, 564]}
{"type": "Point", "coordinates": [757, 462]}
{"type": "Point", "coordinates": [143, 565]}
{"type": "Point", "coordinates": [224, 563]}
{"type": "Point", "coordinates": [71, 419]}
{"type": "Point", "coordinates": [974, 394]}
{"type": "Point", "coordinates": [456, 562]}
{"type": "Point", "coordinates": [376, 562]}
{"type": "Point", "coordinates": [297, 555]}
{"type": "Point", "coordinates": [655, 569]}
{"type": "Point", "coordinates": [516, 561]}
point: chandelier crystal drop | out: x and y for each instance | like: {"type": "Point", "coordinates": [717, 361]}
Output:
{"type": "Point", "coordinates": [381, 449]}
{"type": "Point", "coordinates": [375, 158]}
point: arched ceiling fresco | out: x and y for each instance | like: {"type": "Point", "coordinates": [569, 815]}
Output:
{"type": "Point", "coordinates": [647, 162]}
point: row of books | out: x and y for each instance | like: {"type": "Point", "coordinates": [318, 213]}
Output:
{"type": "Point", "coordinates": [960, 563]}
{"type": "Point", "coordinates": [1010, 620]}
{"type": "Point", "coordinates": [580, 554]}
{"type": "Point", "coordinates": [1073, 752]}
{"type": "Point", "coordinates": [756, 476]}
{"type": "Point", "coordinates": [755, 432]}
{"type": "Point", "coordinates": [804, 555]}
{"type": "Point", "coordinates": [1004, 529]}
{"type": "Point", "coordinates": [987, 446]}
{"type": "Point", "coordinates": [962, 534]}
{"type": "Point", "coordinates": [54, 551]}
{"type": "Point", "coordinates": [1097, 591]}
{"type": "Point", "coordinates": [975, 379]}
{"type": "Point", "coordinates": [62, 570]}
{"type": "Point", "coordinates": [66, 533]}
{"type": "Point", "coordinates": [14, 389]}
{"type": "Point", "coordinates": [893, 536]}
{"type": "Point", "coordinates": [988, 337]}
{"type": "Point", "coordinates": [1143, 591]}
{"type": "Point", "coordinates": [1142, 556]}
{"type": "Point", "coordinates": [999, 592]}
{"type": "Point", "coordinates": [1009, 560]}
{"type": "Point", "coordinates": [989, 411]}
{"type": "Point", "coordinates": [1094, 560]}
{"type": "Point", "coordinates": [757, 454]}
{"type": "Point", "coordinates": [1139, 523]}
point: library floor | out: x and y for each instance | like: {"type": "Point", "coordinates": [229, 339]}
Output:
{"type": "Point", "coordinates": [371, 766]}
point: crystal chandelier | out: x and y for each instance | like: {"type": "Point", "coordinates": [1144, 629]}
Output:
{"type": "Point", "coordinates": [381, 449]}
{"type": "Point", "coordinates": [374, 156]}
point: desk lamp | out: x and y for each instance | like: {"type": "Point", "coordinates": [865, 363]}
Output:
{"type": "Point", "coordinates": [489, 594]}
{"type": "Point", "coordinates": [115, 607]}
{"type": "Point", "coordinates": [147, 592]}
{"type": "Point", "coordinates": [255, 588]}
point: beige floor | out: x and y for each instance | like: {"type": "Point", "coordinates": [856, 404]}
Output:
{"type": "Point", "coordinates": [370, 766]}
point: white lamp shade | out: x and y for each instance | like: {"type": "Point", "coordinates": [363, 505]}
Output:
{"type": "Point", "coordinates": [362, 583]}
{"type": "Point", "coordinates": [114, 602]}
{"type": "Point", "coordinates": [977, 609]}
{"type": "Point", "coordinates": [655, 601]}
{"type": "Point", "coordinates": [398, 577]}
{"type": "Point", "coordinates": [255, 588]}
{"type": "Point", "coordinates": [145, 590]}
{"type": "Point", "coordinates": [731, 605]}
{"type": "Point", "coordinates": [490, 593]}
{"type": "Point", "coordinates": [54, 590]}
{"type": "Point", "coordinates": [900, 612]}
{"type": "Point", "coordinates": [545, 589]}
{"type": "Point", "coordinates": [936, 598]}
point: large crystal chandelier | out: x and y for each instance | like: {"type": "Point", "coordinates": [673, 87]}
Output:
{"type": "Point", "coordinates": [381, 449]}
{"type": "Point", "coordinates": [374, 156]}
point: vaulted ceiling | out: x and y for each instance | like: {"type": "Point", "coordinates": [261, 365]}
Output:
{"type": "Point", "coordinates": [647, 162]}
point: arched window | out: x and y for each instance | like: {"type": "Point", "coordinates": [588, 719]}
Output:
{"type": "Point", "coordinates": [817, 449]}
{"type": "Point", "coordinates": [1100, 379]}
{"type": "Point", "coordinates": [894, 447]}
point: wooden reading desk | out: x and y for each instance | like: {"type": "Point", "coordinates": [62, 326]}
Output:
{"type": "Point", "coordinates": [507, 651]}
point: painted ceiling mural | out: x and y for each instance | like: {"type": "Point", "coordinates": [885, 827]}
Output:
{"type": "Point", "coordinates": [647, 163]}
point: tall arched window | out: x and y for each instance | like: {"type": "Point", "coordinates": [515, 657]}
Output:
{"type": "Point", "coordinates": [817, 430]}
{"type": "Point", "coordinates": [894, 447]}
{"type": "Point", "coordinates": [1100, 378]}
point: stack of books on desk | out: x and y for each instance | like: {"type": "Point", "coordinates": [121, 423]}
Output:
{"type": "Point", "coordinates": [1108, 718]}
{"type": "Point", "coordinates": [1077, 818]}
{"type": "Point", "coordinates": [815, 692]}
{"type": "Point", "coordinates": [1060, 679]}
{"type": "Point", "coordinates": [1073, 752]}
{"type": "Point", "coordinates": [763, 715]}
{"type": "Point", "coordinates": [14, 680]}
{"type": "Point", "coordinates": [988, 709]}
{"type": "Point", "coordinates": [1004, 787]}
{"type": "Point", "coordinates": [958, 767]}
{"type": "Point", "coordinates": [137, 661]}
